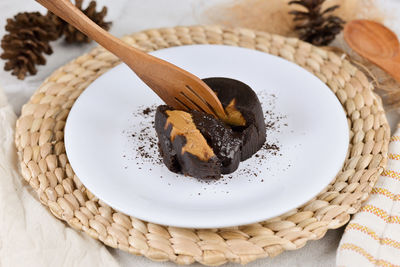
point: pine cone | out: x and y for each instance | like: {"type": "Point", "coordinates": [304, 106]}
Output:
{"type": "Point", "coordinates": [28, 39]}
{"type": "Point", "coordinates": [315, 25]}
{"type": "Point", "coordinates": [72, 35]}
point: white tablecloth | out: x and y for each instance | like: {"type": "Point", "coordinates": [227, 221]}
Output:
{"type": "Point", "coordinates": [134, 15]}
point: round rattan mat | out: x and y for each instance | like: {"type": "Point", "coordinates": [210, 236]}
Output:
{"type": "Point", "coordinates": [44, 164]}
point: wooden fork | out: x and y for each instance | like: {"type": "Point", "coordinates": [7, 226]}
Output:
{"type": "Point", "coordinates": [177, 87]}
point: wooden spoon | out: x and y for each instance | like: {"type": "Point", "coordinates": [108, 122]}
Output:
{"type": "Point", "coordinates": [177, 87]}
{"type": "Point", "coordinates": [376, 43]}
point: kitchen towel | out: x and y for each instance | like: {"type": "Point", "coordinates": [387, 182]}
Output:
{"type": "Point", "coordinates": [30, 235]}
{"type": "Point", "coordinates": [372, 237]}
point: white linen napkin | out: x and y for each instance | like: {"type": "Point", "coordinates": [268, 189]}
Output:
{"type": "Point", "coordinates": [372, 238]}
{"type": "Point", "coordinates": [30, 235]}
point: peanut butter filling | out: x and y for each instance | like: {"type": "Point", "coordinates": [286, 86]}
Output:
{"type": "Point", "coordinates": [182, 124]}
{"type": "Point", "coordinates": [234, 117]}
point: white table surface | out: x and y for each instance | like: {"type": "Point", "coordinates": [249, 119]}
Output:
{"type": "Point", "coordinates": [130, 16]}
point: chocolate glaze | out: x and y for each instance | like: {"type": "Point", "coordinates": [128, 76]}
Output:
{"type": "Point", "coordinates": [253, 135]}
{"type": "Point", "coordinates": [221, 138]}
{"type": "Point", "coordinates": [185, 163]}
{"type": "Point", "coordinates": [231, 144]}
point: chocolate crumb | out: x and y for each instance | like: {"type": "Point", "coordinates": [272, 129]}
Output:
{"type": "Point", "coordinates": [146, 111]}
{"type": "Point", "coordinates": [143, 139]}
{"type": "Point", "coordinates": [271, 147]}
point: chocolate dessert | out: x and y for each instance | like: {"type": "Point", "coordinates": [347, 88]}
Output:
{"type": "Point", "coordinates": [244, 111]}
{"type": "Point", "coordinates": [199, 145]}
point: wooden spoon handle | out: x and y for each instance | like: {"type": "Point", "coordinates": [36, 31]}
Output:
{"type": "Point", "coordinates": [71, 14]}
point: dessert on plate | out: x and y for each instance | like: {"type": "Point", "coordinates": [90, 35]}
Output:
{"type": "Point", "coordinates": [199, 145]}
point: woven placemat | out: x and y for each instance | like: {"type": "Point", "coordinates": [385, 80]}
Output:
{"type": "Point", "coordinates": [44, 164]}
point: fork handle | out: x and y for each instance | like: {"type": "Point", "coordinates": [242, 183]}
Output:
{"type": "Point", "coordinates": [71, 14]}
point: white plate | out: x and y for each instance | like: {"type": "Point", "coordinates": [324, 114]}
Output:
{"type": "Point", "coordinates": [312, 134]}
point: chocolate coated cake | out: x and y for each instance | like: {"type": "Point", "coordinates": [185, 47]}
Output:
{"type": "Point", "coordinates": [202, 146]}
{"type": "Point", "coordinates": [245, 100]}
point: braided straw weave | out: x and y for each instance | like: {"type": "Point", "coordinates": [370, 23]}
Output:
{"type": "Point", "coordinates": [45, 166]}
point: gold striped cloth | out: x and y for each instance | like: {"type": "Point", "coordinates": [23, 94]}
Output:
{"type": "Point", "coordinates": [372, 238]}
